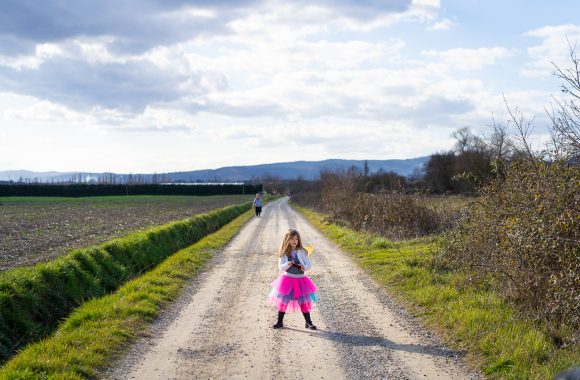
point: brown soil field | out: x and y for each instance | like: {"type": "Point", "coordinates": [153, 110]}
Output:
{"type": "Point", "coordinates": [35, 230]}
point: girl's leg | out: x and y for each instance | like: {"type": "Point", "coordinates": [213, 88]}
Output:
{"type": "Point", "coordinates": [309, 324]}
{"type": "Point", "coordinates": [305, 308]}
{"type": "Point", "coordinates": [280, 322]}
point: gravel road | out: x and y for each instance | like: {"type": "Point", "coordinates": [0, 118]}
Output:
{"type": "Point", "coordinates": [221, 326]}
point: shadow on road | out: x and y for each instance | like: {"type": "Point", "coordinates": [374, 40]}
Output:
{"type": "Point", "coordinates": [369, 341]}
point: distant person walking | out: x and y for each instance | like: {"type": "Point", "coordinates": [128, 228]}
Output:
{"type": "Point", "coordinates": [258, 205]}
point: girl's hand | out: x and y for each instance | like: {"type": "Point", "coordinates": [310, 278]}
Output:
{"type": "Point", "coordinates": [301, 267]}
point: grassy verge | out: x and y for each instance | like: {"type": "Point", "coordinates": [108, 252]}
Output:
{"type": "Point", "coordinates": [473, 319]}
{"type": "Point", "coordinates": [35, 299]}
{"type": "Point", "coordinates": [100, 328]}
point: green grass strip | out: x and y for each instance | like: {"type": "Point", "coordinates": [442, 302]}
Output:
{"type": "Point", "coordinates": [101, 328]}
{"type": "Point", "coordinates": [472, 319]}
{"type": "Point", "coordinates": [35, 299]}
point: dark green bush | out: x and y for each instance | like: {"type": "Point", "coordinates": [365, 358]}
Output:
{"type": "Point", "coordinates": [33, 300]}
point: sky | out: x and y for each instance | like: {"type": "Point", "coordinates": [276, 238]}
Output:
{"type": "Point", "coordinates": [143, 86]}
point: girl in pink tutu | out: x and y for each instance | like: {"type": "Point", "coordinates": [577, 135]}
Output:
{"type": "Point", "coordinates": [293, 290]}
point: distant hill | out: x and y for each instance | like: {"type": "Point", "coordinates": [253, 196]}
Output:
{"type": "Point", "coordinates": [286, 170]}
{"type": "Point", "coordinates": [290, 170]}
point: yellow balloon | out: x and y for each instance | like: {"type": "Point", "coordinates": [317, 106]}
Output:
{"type": "Point", "coordinates": [309, 249]}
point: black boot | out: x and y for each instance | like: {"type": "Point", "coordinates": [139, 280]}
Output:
{"type": "Point", "coordinates": [309, 324]}
{"type": "Point", "coordinates": [280, 323]}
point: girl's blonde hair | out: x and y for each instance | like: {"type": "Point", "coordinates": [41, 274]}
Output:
{"type": "Point", "coordinates": [285, 248]}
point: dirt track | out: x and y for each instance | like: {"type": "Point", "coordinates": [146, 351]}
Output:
{"type": "Point", "coordinates": [221, 326]}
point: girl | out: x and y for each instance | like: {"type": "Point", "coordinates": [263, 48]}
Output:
{"type": "Point", "coordinates": [293, 289]}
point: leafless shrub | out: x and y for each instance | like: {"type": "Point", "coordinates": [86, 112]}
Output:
{"type": "Point", "coordinates": [565, 115]}
{"type": "Point", "coordinates": [391, 213]}
{"type": "Point", "coordinates": [524, 230]}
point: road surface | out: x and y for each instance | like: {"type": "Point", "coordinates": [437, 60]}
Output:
{"type": "Point", "coordinates": [221, 326]}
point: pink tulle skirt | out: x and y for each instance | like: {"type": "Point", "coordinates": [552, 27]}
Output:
{"type": "Point", "coordinates": [293, 294]}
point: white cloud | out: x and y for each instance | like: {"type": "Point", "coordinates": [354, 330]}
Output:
{"type": "Point", "coordinates": [30, 109]}
{"type": "Point", "coordinates": [151, 120]}
{"type": "Point", "coordinates": [358, 94]}
{"type": "Point", "coordinates": [553, 48]}
{"type": "Point", "coordinates": [470, 59]}
{"type": "Point", "coordinates": [41, 53]}
{"type": "Point", "coordinates": [306, 139]}
{"type": "Point", "coordinates": [307, 18]}
{"type": "Point", "coordinates": [444, 24]}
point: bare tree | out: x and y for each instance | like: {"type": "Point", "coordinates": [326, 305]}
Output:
{"type": "Point", "coordinates": [565, 115]}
